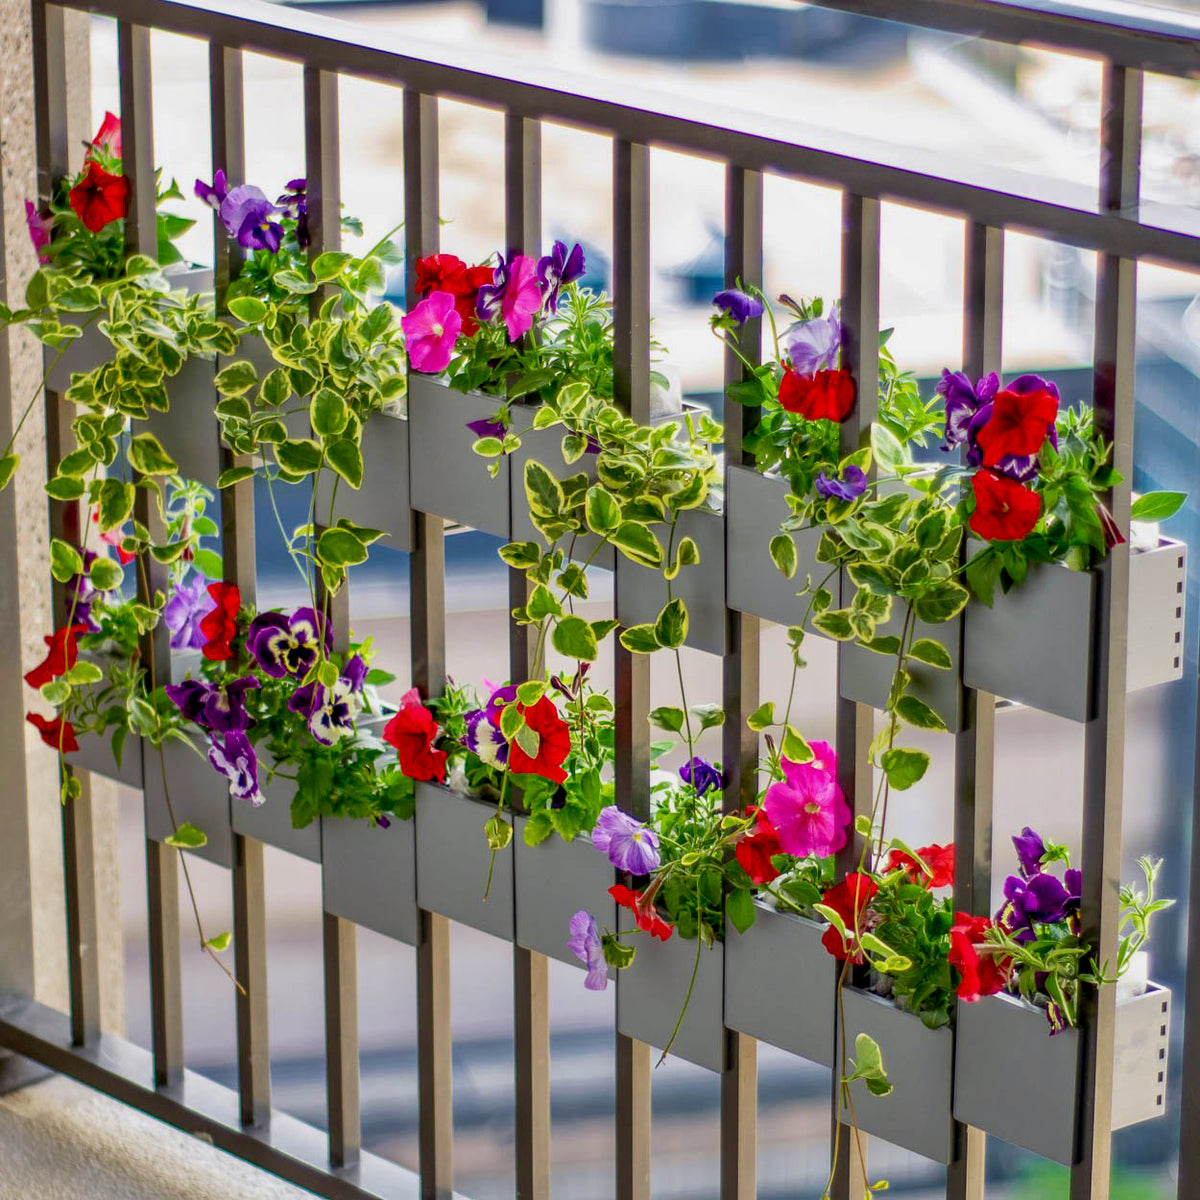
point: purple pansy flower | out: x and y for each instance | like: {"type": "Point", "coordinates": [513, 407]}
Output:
{"type": "Point", "coordinates": [963, 401]}
{"type": "Point", "coordinates": [738, 306]}
{"type": "Point", "coordinates": [215, 707]}
{"type": "Point", "coordinates": [188, 697]}
{"type": "Point", "coordinates": [584, 943]}
{"type": "Point", "coordinates": [812, 346]}
{"type": "Point", "coordinates": [1030, 850]}
{"type": "Point", "coordinates": [1041, 898]}
{"type": "Point", "coordinates": [559, 267]}
{"type": "Point", "coordinates": [246, 213]}
{"type": "Point", "coordinates": [703, 776]}
{"type": "Point", "coordinates": [330, 711]}
{"type": "Point", "coordinates": [484, 739]}
{"type": "Point", "coordinates": [39, 230]}
{"type": "Point", "coordinates": [630, 845]}
{"type": "Point", "coordinates": [287, 645]}
{"type": "Point", "coordinates": [213, 194]}
{"type": "Point", "coordinates": [849, 485]}
{"type": "Point", "coordinates": [187, 607]}
{"type": "Point", "coordinates": [355, 672]}
{"type": "Point", "coordinates": [294, 202]}
{"type": "Point", "coordinates": [234, 757]}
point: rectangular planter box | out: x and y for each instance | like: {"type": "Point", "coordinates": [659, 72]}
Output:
{"type": "Point", "coordinates": [650, 997]}
{"type": "Point", "coordinates": [453, 860]}
{"type": "Point", "coordinates": [198, 795]}
{"type": "Point", "coordinates": [920, 1065]}
{"type": "Point", "coordinates": [1035, 644]}
{"type": "Point", "coordinates": [642, 591]}
{"type": "Point", "coordinates": [554, 880]}
{"type": "Point", "coordinates": [1014, 1081]}
{"type": "Point", "coordinates": [866, 676]}
{"type": "Point", "coordinates": [447, 477]}
{"type": "Point", "coordinates": [271, 821]}
{"type": "Point", "coordinates": [369, 875]}
{"type": "Point", "coordinates": [382, 502]}
{"type": "Point", "coordinates": [95, 755]}
{"type": "Point", "coordinates": [781, 984]}
{"type": "Point", "coordinates": [755, 507]}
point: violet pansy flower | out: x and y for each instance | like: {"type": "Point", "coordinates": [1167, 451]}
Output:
{"type": "Point", "coordinates": [558, 268]}
{"type": "Point", "coordinates": [355, 672]}
{"type": "Point", "coordinates": [703, 776]}
{"type": "Point", "coordinates": [215, 707]}
{"type": "Point", "coordinates": [1041, 898]}
{"type": "Point", "coordinates": [182, 614]}
{"type": "Point", "coordinates": [848, 485]}
{"type": "Point", "coordinates": [487, 427]}
{"type": "Point", "coordinates": [484, 739]}
{"type": "Point", "coordinates": [1031, 849]}
{"type": "Point", "coordinates": [514, 295]}
{"type": "Point", "coordinates": [330, 712]}
{"type": "Point", "coordinates": [737, 306]}
{"type": "Point", "coordinates": [234, 757]}
{"type": "Point", "coordinates": [812, 346]}
{"type": "Point", "coordinates": [213, 194]}
{"type": "Point", "coordinates": [585, 944]}
{"type": "Point", "coordinates": [294, 202]}
{"type": "Point", "coordinates": [285, 646]}
{"type": "Point", "coordinates": [630, 845]}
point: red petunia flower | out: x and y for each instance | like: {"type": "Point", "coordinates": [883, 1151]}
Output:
{"type": "Point", "coordinates": [982, 974]}
{"type": "Point", "coordinates": [825, 396]}
{"type": "Point", "coordinates": [644, 914]}
{"type": "Point", "coordinates": [554, 743]}
{"type": "Point", "coordinates": [1005, 510]}
{"type": "Point", "coordinates": [60, 658]}
{"type": "Point", "coordinates": [939, 860]}
{"type": "Point", "coordinates": [448, 273]}
{"type": "Point", "coordinates": [413, 731]}
{"type": "Point", "coordinates": [108, 137]}
{"type": "Point", "coordinates": [1019, 424]}
{"type": "Point", "coordinates": [57, 734]}
{"type": "Point", "coordinates": [849, 899]}
{"type": "Point", "coordinates": [99, 198]}
{"type": "Point", "coordinates": [220, 626]}
{"type": "Point", "coordinates": [754, 850]}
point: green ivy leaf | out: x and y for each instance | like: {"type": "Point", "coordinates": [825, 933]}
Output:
{"type": "Point", "coordinates": [710, 716]}
{"type": "Point", "coordinates": [298, 456]}
{"type": "Point", "coordinates": [294, 282]}
{"type": "Point", "coordinates": [56, 692]}
{"type": "Point", "coordinates": [345, 458]}
{"type": "Point", "coordinates": [209, 564]}
{"type": "Point", "coordinates": [671, 627]}
{"type": "Point", "coordinates": [795, 748]}
{"type": "Point", "coordinates": [542, 604]}
{"type": "Point", "coordinates": [868, 1064]}
{"type": "Point", "coordinates": [687, 554]}
{"type": "Point", "coordinates": [63, 488]}
{"type": "Point", "coordinates": [834, 624]}
{"type": "Point", "coordinates": [65, 561]}
{"type": "Point", "coordinates": [763, 717]}
{"type": "Point", "coordinates": [340, 548]}
{"type": "Point", "coordinates": [667, 717]}
{"type": "Point", "coordinates": [573, 637]}
{"type": "Point", "coordinates": [105, 574]}
{"type": "Point", "coordinates": [601, 510]}
{"type": "Point", "coordinates": [236, 379]}
{"type": "Point", "coordinates": [927, 650]}
{"type": "Point", "coordinates": [329, 265]}
{"type": "Point", "coordinates": [917, 712]}
{"type": "Point", "coordinates": [249, 309]}
{"type": "Point", "coordinates": [637, 542]}
{"type": "Point", "coordinates": [640, 639]}
{"type": "Point", "coordinates": [523, 556]}
{"type": "Point", "coordinates": [904, 767]}
{"type": "Point", "coordinates": [739, 908]}
{"type": "Point", "coordinates": [942, 602]}
{"type": "Point", "coordinates": [783, 553]}
{"type": "Point", "coordinates": [83, 673]}
{"type": "Point", "coordinates": [147, 456]}
{"type": "Point", "coordinates": [187, 837]}
{"type": "Point", "coordinates": [542, 490]}
{"type": "Point", "coordinates": [219, 942]}
{"type": "Point", "coordinates": [233, 475]}
{"type": "Point", "coordinates": [328, 413]}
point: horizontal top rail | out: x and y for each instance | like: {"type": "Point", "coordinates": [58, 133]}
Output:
{"type": "Point", "coordinates": [1057, 209]}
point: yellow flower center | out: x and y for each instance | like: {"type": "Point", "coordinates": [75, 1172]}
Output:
{"type": "Point", "coordinates": [437, 329]}
{"type": "Point", "coordinates": [812, 807]}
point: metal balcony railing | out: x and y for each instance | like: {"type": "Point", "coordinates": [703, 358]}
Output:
{"type": "Point", "coordinates": [1110, 221]}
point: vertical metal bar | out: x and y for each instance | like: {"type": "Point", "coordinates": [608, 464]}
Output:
{"type": "Point", "coordinates": [740, 677]}
{"type": "Point", "coordinates": [631, 390]}
{"type": "Point", "coordinates": [855, 722]}
{"type": "Point", "coordinates": [166, 991]}
{"type": "Point", "coordinates": [531, 983]}
{"type": "Point", "coordinates": [427, 565]}
{"type": "Point", "coordinates": [1104, 735]}
{"type": "Point", "coordinates": [137, 138]}
{"type": "Point", "coordinates": [228, 124]}
{"type": "Point", "coordinates": [974, 746]}
{"type": "Point", "coordinates": [83, 934]}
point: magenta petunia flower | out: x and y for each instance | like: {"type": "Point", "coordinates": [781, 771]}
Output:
{"type": "Point", "coordinates": [808, 810]}
{"type": "Point", "coordinates": [430, 331]}
{"type": "Point", "coordinates": [515, 295]}
{"type": "Point", "coordinates": [585, 944]}
{"type": "Point", "coordinates": [39, 230]}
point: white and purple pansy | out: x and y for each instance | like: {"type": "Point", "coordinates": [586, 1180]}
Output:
{"type": "Point", "coordinates": [330, 711]}
{"type": "Point", "coordinates": [232, 756]}
{"type": "Point", "coordinates": [284, 646]}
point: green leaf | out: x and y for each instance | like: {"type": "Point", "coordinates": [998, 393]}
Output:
{"type": "Point", "coordinates": [795, 748]}
{"type": "Point", "coordinates": [601, 510]}
{"type": "Point", "coordinates": [105, 574]}
{"type": "Point", "coordinates": [488, 447]}
{"type": "Point", "coordinates": [538, 828]}
{"type": "Point", "coordinates": [983, 573]}
{"type": "Point", "coordinates": [886, 449]}
{"type": "Point", "coordinates": [687, 554]}
{"type": "Point", "coordinates": [542, 604]}
{"type": "Point", "coordinates": [637, 542]}
{"type": "Point", "coordinates": [531, 691]}
{"type": "Point", "coordinates": [529, 740]}
{"type": "Point", "coordinates": [904, 767]}
{"type": "Point", "coordinates": [763, 717]}
{"type": "Point", "coordinates": [345, 458]}
{"type": "Point", "coordinates": [83, 673]}
{"type": "Point", "coordinates": [8, 466]}
{"type": "Point", "coordinates": [542, 490]}
{"type": "Point", "coordinates": [616, 953]}
{"type": "Point", "coordinates": [340, 548]}
{"type": "Point", "coordinates": [236, 379]}
{"type": "Point", "coordinates": [329, 265]}
{"type": "Point", "coordinates": [1156, 506]}
{"type": "Point", "coordinates": [868, 1065]}
{"type": "Point", "coordinates": [328, 413]}
{"type": "Point", "coordinates": [739, 908]}
{"type": "Point", "coordinates": [63, 488]}
{"type": "Point", "coordinates": [65, 561]}
{"type": "Point", "coordinates": [512, 720]}
{"type": "Point", "coordinates": [219, 942]}
{"type": "Point", "coordinates": [233, 475]}
{"type": "Point", "coordinates": [499, 832]}
{"type": "Point", "coordinates": [668, 718]}
{"type": "Point", "coordinates": [942, 602]}
{"type": "Point", "coordinates": [926, 650]}
{"type": "Point", "coordinates": [249, 309]}
{"type": "Point", "coordinates": [187, 837]}
{"type": "Point", "coordinates": [834, 624]}
{"type": "Point", "coordinates": [640, 639]}
{"type": "Point", "coordinates": [294, 282]}
{"type": "Point", "coordinates": [783, 552]}
{"type": "Point", "coordinates": [209, 564]}
{"type": "Point", "coordinates": [524, 556]}
{"type": "Point", "coordinates": [573, 637]}
{"type": "Point", "coordinates": [917, 712]}
{"type": "Point", "coordinates": [671, 627]}
{"type": "Point", "coordinates": [710, 716]}
{"type": "Point", "coordinates": [147, 456]}
{"type": "Point", "coordinates": [298, 456]}
{"type": "Point", "coordinates": [56, 692]}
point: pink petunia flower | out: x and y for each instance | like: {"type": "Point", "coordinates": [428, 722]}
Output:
{"type": "Point", "coordinates": [430, 331]}
{"type": "Point", "coordinates": [39, 230]}
{"type": "Point", "coordinates": [808, 810]}
{"type": "Point", "coordinates": [515, 294]}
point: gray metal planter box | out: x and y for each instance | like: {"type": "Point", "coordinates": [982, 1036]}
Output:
{"type": "Point", "coordinates": [554, 880]}
{"type": "Point", "coordinates": [920, 1065]}
{"type": "Point", "coordinates": [271, 821]}
{"type": "Point", "coordinates": [382, 502]}
{"type": "Point", "coordinates": [369, 875]}
{"type": "Point", "coordinates": [453, 860]}
{"type": "Point", "coordinates": [755, 507]}
{"type": "Point", "coordinates": [867, 676]}
{"type": "Point", "coordinates": [198, 795]}
{"type": "Point", "coordinates": [650, 996]}
{"type": "Point", "coordinates": [1014, 1081]}
{"type": "Point", "coordinates": [447, 477]}
{"type": "Point", "coordinates": [781, 984]}
{"type": "Point", "coordinates": [1035, 644]}
{"type": "Point", "coordinates": [95, 755]}
{"type": "Point", "coordinates": [642, 591]}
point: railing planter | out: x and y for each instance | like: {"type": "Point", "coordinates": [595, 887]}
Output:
{"type": "Point", "coordinates": [554, 880]}
{"type": "Point", "coordinates": [781, 955]}
{"type": "Point", "coordinates": [1004, 1050]}
{"type": "Point", "coordinates": [641, 593]}
{"type": "Point", "coordinates": [454, 482]}
{"type": "Point", "coordinates": [453, 860]}
{"type": "Point", "coordinates": [1036, 644]}
{"type": "Point", "coordinates": [920, 1067]}
{"type": "Point", "coordinates": [369, 875]}
{"type": "Point", "coordinates": [650, 995]}
{"type": "Point", "coordinates": [95, 754]}
{"type": "Point", "coordinates": [198, 796]}
{"type": "Point", "coordinates": [271, 821]}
